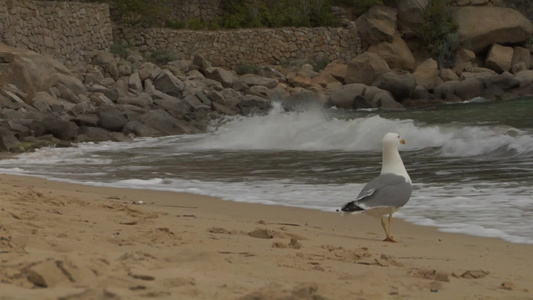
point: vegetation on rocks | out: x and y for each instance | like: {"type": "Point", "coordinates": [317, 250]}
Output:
{"type": "Point", "coordinates": [438, 33]}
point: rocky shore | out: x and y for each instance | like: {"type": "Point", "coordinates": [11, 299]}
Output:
{"type": "Point", "coordinates": [117, 98]}
{"type": "Point", "coordinates": [43, 103]}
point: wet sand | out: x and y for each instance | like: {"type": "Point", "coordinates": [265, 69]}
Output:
{"type": "Point", "coordinates": [67, 241]}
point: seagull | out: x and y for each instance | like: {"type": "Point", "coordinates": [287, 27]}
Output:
{"type": "Point", "coordinates": [388, 192]}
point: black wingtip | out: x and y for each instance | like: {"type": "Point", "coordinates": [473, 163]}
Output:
{"type": "Point", "coordinates": [350, 206]}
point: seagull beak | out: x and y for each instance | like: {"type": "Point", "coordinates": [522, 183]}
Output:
{"type": "Point", "coordinates": [402, 141]}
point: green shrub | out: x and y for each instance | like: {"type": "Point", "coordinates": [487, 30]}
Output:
{"type": "Point", "coordinates": [319, 65]}
{"type": "Point", "coordinates": [438, 32]}
{"type": "Point", "coordinates": [164, 56]}
{"type": "Point", "coordinates": [196, 24]}
{"type": "Point", "coordinates": [175, 24]}
{"type": "Point", "coordinates": [120, 49]}
{"type": "Point", "coordinates": [246, 69]}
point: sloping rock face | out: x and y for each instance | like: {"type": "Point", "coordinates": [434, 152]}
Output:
{"type": "Point", "coordinates": [29, 71]}
{"type": "Point", "coordinates": [499, 58]}
{"type": "Point", "coordinates": [377, 25]}
{"type": "Point", "coordinates": [482, 26]}
{"type": "Point", "coordinates": [396, 53]}
{"type": "Point", "coordinates": [410, 15]}
{"type": "Point", "coordinates": [365, 68]}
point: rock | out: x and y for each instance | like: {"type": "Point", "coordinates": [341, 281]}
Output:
{"type": "Point", "coordinates": [93, 76]}
{"type": "Point", "coordinates": [164, 123]}
{"type": "Point", "coordinates": [385, 101]}
{"type": "Point", "coordinates": [399, 83]}
{"type": "Point", "coordinates": [8, 102]}
{"type": "Point", "coordinates": [124, 68]}
{"type": "Point", "coordinates": [252, 105]}
{"type": "Point", "coordinates": [225, 77]}
{"type": "Point", "coordinates": [469, 88]}
{"type": "Point", "coordinates": [476, 73]}
{"type": "Point", "coordinates": [148, 71]}
{"type": "Point", "coordinates": [193, 103]}
{"type": "Point", "coordinates": [499, 58]}
{"type": "Point", "coordinates": [427, 73]}
{"type": "Point", "coordinates": [482, 26]}
{"type": "Point", "coordinates": [93, 134]}
{"type": "Point", "coordinates": [463, 90]}
{"type": "Point", "coordinates": [135, 83]}
{"type": "Point", "coordinates": [224, 109]}
{"type": "Point", "coordinates": [61, 129]}
{"type": "Point", "coordinates": [29, 71]}
{"type": "Point", "coordinates": [8, 141]}
{"type": "Point", "coordinates": [377, 25]}
{"type": "Point", "coordinates": [67, 94]}
{"type": "Point", "coordinates": [410, 15]}
{"type": "Point", "coordinates": [111, 118]}
{"type": "Point", "coordinates": [100, 99]}
{"type": "Point", "coordinates": [172, 105]}
{"type": "Point", "coordinates": [253, 80]}
{"type": "Point", "coordinates": [231, 97]}
{"type": "Point", "coordinates": [421, 92]}
{"type": "Point", "coordinates": [169, 84]}
{"type": "Point", "coordinates": [142, 100]}
{"type": "Point", "coordinates": [464, 55]}
{"type": "Point", "coordinates": [140, 130]}
{"type": "Point", "coordinates": [365, 68]}
{"type": "Point", "coordinates": [202, 63]}
{"type": "Point", "coordinates": [504, 81]}
{"type": "Point", "coordinates": [337, 69]}
{"type": "Point", "coordinates": [521, 59]}
{"type": "Point", "coordinates": [525, 78]}
{"type": "Point", "coordinates": [396, 53]}
{"type": "Point", "coordinates": [44, 102]}
{"type": "Point", "coordinates": [108, 63]}
{"type": "Point", "coordinates": [344, 97]}
{"type": "Point", "coordinates": [88, 119]}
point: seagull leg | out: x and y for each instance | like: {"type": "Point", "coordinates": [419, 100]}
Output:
{"type": "Point", "coordinates": [388, 232]}
{"type": "Point", "coordinates": [384, 228]}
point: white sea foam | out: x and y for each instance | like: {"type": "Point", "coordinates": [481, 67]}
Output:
{"type": "Point", "coordinates": [314, 131]}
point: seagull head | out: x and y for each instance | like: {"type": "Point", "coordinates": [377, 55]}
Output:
{"type": "Point", "coordinates": [392, 140]}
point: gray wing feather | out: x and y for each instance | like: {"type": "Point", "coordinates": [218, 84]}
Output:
{"type": "Point", "coordinates": [385, 190]}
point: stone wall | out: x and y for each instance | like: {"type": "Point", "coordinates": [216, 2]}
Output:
{"type": "Point", "coordinates": [230, 48]}
{"type": "Point", "coordinates": [68, 31]}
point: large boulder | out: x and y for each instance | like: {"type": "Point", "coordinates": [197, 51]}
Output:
{"type": "Point", "coordinates": [499, 58]}
{"type": "Point", "coordinates": [252, 105]}
{"type": "Point", "coordinates": [365, 68]}
{"type": "Point", "coordinates": [482, 26]}
{"type": "Point", "coordinates": [399, 83]}
{"type": "Point", "coordinates": [252, 80]}
{"type": "Point", "coordinates": [521, 59]}
{"type": "Point", "coordinates": [337, 69]}
{"type": "Point", "coordinates": [396, 53]}
{"type": "Point", "coordinates": [30, 72]}
{"type": "Point", "coordinates": [410, 14]}
{"type": "Point", "coordinates": [345, 96]}
{"type": "Point", "coordinates": [163, 122]}
{"type": "Point", "coordinates": [225, 77]}
{"type": "Point", "coordinates": [167, 83]}
{"type": "Point", "coordinates": [357, 95]}
{"type": "Point", "coordinates": [427, 74]}
{"type": "Point", "coordinates": [107, 62]}
{"type": "Point", "coordinates": [377, 25]}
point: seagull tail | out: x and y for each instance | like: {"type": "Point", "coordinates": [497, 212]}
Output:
{"type": "Point", "coordinates": [351, 207]}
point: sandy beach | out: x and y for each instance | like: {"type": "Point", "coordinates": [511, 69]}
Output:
{"type": "Point", "coordinates": [67, 241]}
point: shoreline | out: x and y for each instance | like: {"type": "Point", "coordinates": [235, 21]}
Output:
{"type": "Point", "coordinates": [94, 241]}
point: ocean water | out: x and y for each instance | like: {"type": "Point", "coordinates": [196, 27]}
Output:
{"type": "Point", "coordinates": [471, 163]}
